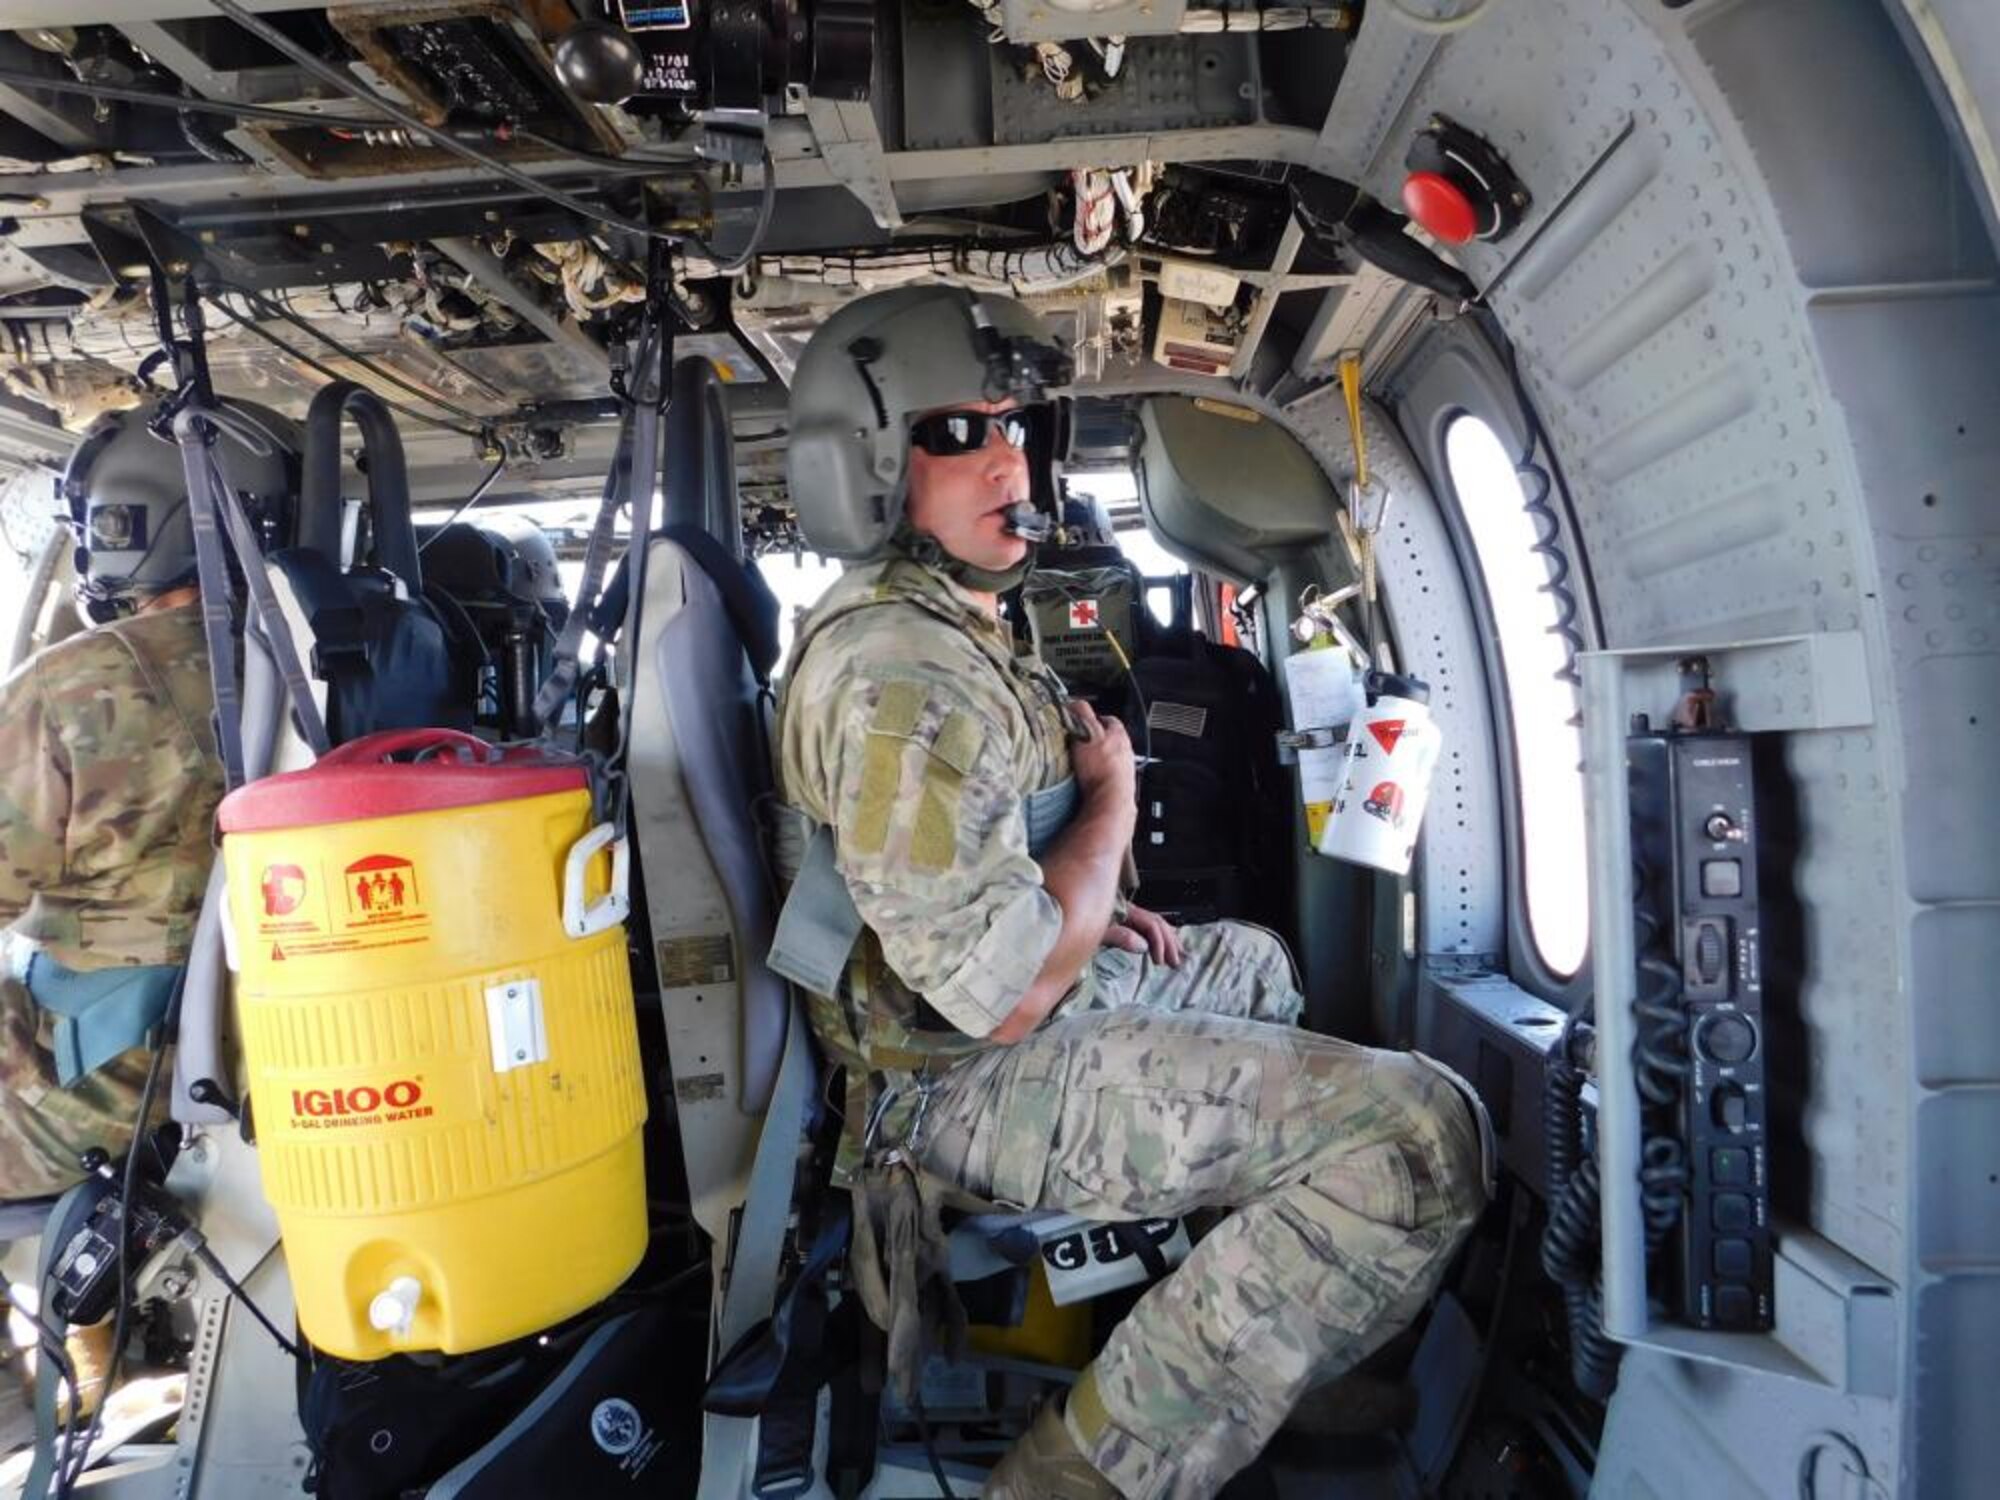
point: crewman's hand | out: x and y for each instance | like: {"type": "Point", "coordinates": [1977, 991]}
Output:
{"type": "Point", "coordinates": [1102, 760]}
{"type": "Point", "coordinates": [1146, 932]}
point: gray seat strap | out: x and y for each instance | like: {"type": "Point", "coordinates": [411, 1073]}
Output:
{"type": "Point", "coordinates": [729, 1444]}
{"type": "Point", "coordinates": [819, 926]}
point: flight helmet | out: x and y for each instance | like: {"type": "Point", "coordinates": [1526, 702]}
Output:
{"type": "Point", "coordinates": [125, 495]}
{"type": "Point", "coordinates": [875, 366]}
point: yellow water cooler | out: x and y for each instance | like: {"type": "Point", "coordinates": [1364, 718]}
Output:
{"type": "Point", "coordinates": [437, 1015]}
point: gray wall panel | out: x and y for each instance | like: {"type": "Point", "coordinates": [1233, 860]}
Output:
{"type": "Point", "coordinates": [1752, 303]}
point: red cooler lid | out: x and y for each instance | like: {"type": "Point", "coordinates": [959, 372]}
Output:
{"type": "Point", "coordinates": [358, 780]}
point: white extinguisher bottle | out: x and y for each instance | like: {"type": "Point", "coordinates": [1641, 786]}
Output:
{"type": "Point", "coordinates": [1391, 754]}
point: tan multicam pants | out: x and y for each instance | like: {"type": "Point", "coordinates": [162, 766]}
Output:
{"type": "Point", "coordinates": [45, 1128]}
{"type": "Point", "coordinates": [1356, 1173]}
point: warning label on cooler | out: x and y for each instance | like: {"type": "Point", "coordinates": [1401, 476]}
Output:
{"type": "Point", "coordinates": [383, 889]}
{"type": "Point", "coordinates": [288, 902]}
{"type": "Point", "coordinates": [376, 901]}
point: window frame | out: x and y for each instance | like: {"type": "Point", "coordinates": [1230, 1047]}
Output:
{"type": "Point", "coordinates": [1456, 372]}
{"type": "Point", "coordinates": [1500, 681]}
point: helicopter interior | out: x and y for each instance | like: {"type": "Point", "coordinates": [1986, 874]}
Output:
{"type": "Point", "coordinates": [1621, 370]}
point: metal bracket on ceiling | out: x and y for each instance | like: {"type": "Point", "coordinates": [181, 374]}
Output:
{"type": "Point", "coordinates": [850, 143]}
{"type": "Point", "coordinates": [1266, 302]}
{"type": "Point", "coordinates": [1348, 318]}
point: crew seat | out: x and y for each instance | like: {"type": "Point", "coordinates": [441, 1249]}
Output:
{"type": "Point", "coordinates": [745, 1082]}
{"type": "Point", "coordinates": [393, 656]}
{"type": "Point", "coordinates": [699, 762]}
{"type": "Point", "coordinates": [1213, 806]}
{"type": "Point", "coordinates": [379, 653]}
{"type": "Point", "coordinates": [700, 768]}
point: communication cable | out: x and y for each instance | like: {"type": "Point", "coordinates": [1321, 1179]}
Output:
{"type": "Point", "coordinates": [159, 99]}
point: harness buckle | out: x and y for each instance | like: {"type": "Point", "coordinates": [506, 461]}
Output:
{"type": "Point", "coordinates": [877, 1113]}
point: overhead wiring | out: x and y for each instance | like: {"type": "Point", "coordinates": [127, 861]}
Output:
{"type": "Point", "coordinates": [374, 133]}
{"type": "Point", "coordinates": [621, 164]}
{"type": "Point", "coordinates": [766, 205]}
{"type": "Point", "coordinates": [266, 308]}
{"type": "Point", "coordinates": [156, 99]}
{"type": "Point", "coordinates": [327, 73]}
{"type": "Point", "coordinates": [249, 326]}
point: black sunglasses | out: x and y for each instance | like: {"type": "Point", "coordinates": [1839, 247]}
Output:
{"type": "Point", "coordinates": [947, 434]}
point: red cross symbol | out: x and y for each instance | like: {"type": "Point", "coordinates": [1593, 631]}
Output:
{"type": "Point", "coordinates": [1083, 614]}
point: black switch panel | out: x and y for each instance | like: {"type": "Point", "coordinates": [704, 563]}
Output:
{"type": "Point", "coordinates": [1694, 837]}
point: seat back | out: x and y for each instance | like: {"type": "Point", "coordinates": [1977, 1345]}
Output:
{"type": "Point", "coordinates": [1214, 810]}
{"type": "Point", "coordinates": [1213, 807]}
{"type": "Point", "coordinates": [700, 768]}
{"type": "Point", "coordinates": [388, 654]}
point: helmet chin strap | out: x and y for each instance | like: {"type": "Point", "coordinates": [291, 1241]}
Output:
{"type": "Point", "coordinates": [927, 550]}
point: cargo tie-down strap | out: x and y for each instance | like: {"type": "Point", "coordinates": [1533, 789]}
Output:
{"type": "Point", "coordinates": [819, 925]}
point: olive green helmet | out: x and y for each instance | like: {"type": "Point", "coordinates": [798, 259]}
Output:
{"type": "Point", "coordinates": [126, 494]}
{"type": "Point", "coordinates": [873, 367]}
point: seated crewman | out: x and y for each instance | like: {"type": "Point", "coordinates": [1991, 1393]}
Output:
{"type": "Point", "coordinates": [1071, 1055]}
{"type": "Point", "coordinates": [108, 786]}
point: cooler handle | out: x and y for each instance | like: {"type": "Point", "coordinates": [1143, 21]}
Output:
{"type": "Point", "coordinates": [583, 918]}
{"type": "Point", "coordinates": [385, 743]}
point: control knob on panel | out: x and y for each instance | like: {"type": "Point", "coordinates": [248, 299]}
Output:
{"type": "Point", "coordinates": [1727, 1038]}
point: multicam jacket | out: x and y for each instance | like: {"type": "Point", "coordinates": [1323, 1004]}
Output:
{"type": "Point", "coordinates": [911, 729]}
{"type": "Point", "coordinates": [108, 785]}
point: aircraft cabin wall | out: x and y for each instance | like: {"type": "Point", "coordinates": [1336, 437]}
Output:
{"type": "Point", "coordinates": [1754, 304]}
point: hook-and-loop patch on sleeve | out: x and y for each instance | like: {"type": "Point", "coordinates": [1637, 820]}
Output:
{"type": "Point", "coordinates": [946, 742]}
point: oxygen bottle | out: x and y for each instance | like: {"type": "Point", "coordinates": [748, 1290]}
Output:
{"type": "Point", "coordinates": [1323, 685]}
{"type": "Point", "coordinates": [1391, 753]}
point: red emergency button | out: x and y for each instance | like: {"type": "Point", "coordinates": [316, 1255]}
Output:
{"type": "Point", "coordinates": [1437, 204]}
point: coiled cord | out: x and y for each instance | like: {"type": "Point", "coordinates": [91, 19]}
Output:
{"type": "Point", "coordinates": [1570, 1247]}
{"type": "Point", "coordinates": [1536, 488]}
{"type": "Point", "coordinates": [1661, 1050]}
{"type": "Point", "coordinates": [1663, 1179]}
{"type": "Point", "coordinates": [1662, 1065]}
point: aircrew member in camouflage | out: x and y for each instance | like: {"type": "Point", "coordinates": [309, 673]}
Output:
{"type": "Point", "coordinates": [1074, 1054]}
{"type": "Point", "coordinates": [108, 786]}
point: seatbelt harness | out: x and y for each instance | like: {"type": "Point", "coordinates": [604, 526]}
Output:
{"type": "Point", "coordinates": [99, 1013]}
{"type": "Point", "coordinates": [212, 508]}
{"type": "Point", "coordinates": [819, 923]}
{"type": "Point", "coordinates": [750, 1293]}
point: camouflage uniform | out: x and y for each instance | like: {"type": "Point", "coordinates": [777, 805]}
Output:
{"type": "Point", "coordinates": [108, 786]}
{"type": "Point", "coordinates": [912, 729]}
